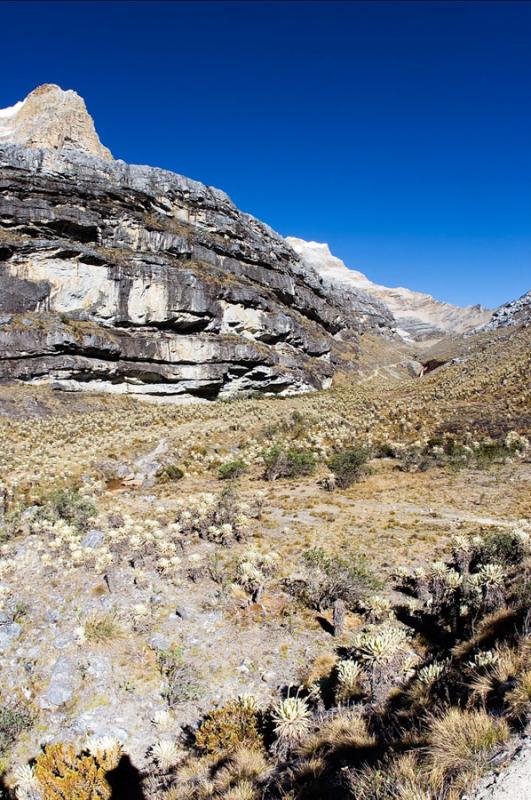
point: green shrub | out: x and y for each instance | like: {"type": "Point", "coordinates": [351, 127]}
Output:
{"type": "Point", "coordinates": [14, 720]}
{"type": "Point", "coordinates": [170, 472]}
{"type": "Point", "coordinates": [232, 469]}
{"type": "Point", "coordinates": [328, 578]}
{"type": "Point", "coordinates": [288, 463]}
{"type": "Point", "coordinates": [295, 427]}
{"type": "Point", "coordinates": [503, 547]}
{"type": "Point", "coordinates": [348, 465]}
{"type": "Point", "coordinates": [491, 452]}
{"type": "Point", "coordinates": [70, 505]}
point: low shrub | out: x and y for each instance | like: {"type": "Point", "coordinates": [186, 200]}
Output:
{"type": "Point", "coordinates": [488, 453]}
{"type": "Point", "coordinates": [71, 506]}
{"type": "Point", "coordinates": [327, 578]}
{"type": "Point", "coordinates": [63, 773]}
{"type": "Point", "coordinates": [232, 469]}
{"type": "Point", "coordinates": [225, 729]}
{"type": "Point", "coordinates": [348, 465]}
{"type": "Point", "coordinates": [170, 472]}
{"type": "Point", "coordinates": [288, 463]}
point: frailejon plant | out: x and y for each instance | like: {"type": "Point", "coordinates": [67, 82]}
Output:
{"type": "Point", "coordinates": [291, 718]}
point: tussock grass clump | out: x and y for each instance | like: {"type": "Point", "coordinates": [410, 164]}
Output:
{"type": "Point", "coordinates": [403, 778]}
{"type": "Point", "coordinates": [463, 741]}
{"type": "Point", "coordinates": [103, 628]}
{"type": "Point", "coordinates": [519, 698]}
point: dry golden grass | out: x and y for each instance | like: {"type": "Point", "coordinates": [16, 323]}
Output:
{"type": "Point", "coordinates": [463, 742]}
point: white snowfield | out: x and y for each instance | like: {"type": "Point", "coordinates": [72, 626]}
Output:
{"type": "Point", "coordinates": [8, 119]}
{"type": "Point", "coordinates": [11, 111]}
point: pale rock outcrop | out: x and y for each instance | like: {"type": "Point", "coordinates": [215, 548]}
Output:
{"type": "Point", "coordinates": [418, 315]}
{"type": "Point", "coordinates": [51, 118]}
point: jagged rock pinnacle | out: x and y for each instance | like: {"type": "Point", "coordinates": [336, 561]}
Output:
{"type": "Point", "coordinates": [54, 119]}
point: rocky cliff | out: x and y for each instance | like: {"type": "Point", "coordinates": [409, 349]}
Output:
{"type": "Point", "coordinates": [419, 316]}
{"type": "Point", "coordinates": [134, 279]}
{"type": "Point", "coordinates": [511, 314]}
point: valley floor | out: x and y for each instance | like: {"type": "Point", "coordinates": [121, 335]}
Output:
{"type": "Point", "coordinates": [137, 567]}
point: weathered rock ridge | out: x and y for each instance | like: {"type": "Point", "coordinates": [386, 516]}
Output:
{"type": "Point", "coordinates": [419, 316]}
{"type": "Point", "coordinates": [511, 314]}
{"type": "Point", "coordinates": [134, 279]}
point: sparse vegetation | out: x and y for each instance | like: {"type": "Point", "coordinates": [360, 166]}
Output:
{"type": "Point", "coordinates": [15, 718]}
{"type": "Point", "coordinates": [165, 595]}
{"type": "Point", "coordinates": [182, 680]}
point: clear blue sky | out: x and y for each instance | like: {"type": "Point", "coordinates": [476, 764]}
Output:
{"type": "Point", "coordinates": [399, 133]}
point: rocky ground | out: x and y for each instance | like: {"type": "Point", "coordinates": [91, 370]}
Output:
{"type": "Point", "coordinates": [511, 781]}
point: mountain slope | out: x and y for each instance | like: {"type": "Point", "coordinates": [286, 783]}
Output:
{"type": "Point", "coordinates": [418, 315]}
{"type": "Point", "coordinates": [513, 313]}
{"type": "Point", "coordinates": [134, 279]}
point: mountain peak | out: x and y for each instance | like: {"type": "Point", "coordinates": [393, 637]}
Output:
{"type": "Point", "coordinates": [53, 119]}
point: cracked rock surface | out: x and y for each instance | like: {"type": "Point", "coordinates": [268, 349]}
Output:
{"type": "Point", "coordinates": [136, 280]}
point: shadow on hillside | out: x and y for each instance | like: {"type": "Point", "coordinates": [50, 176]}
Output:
{"type": "Point", "coordinates": [125, 781]}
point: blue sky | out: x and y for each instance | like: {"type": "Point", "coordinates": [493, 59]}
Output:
{"type": "Point", "coordinates": [399, 133]}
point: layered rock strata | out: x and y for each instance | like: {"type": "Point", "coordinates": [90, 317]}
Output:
{"type": "Point", "coordinates": [135, 279]}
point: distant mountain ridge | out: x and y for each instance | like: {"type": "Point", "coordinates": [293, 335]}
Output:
{"type": "Point", "coordinates": [418, 315]}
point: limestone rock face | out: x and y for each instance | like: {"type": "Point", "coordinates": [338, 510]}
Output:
{"type": "Point", "coordinates": [51, 118]}
{"type": "Point", "coordinates": [419, 316]}
{"type": "Point", "coordinates": [134, 279]}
